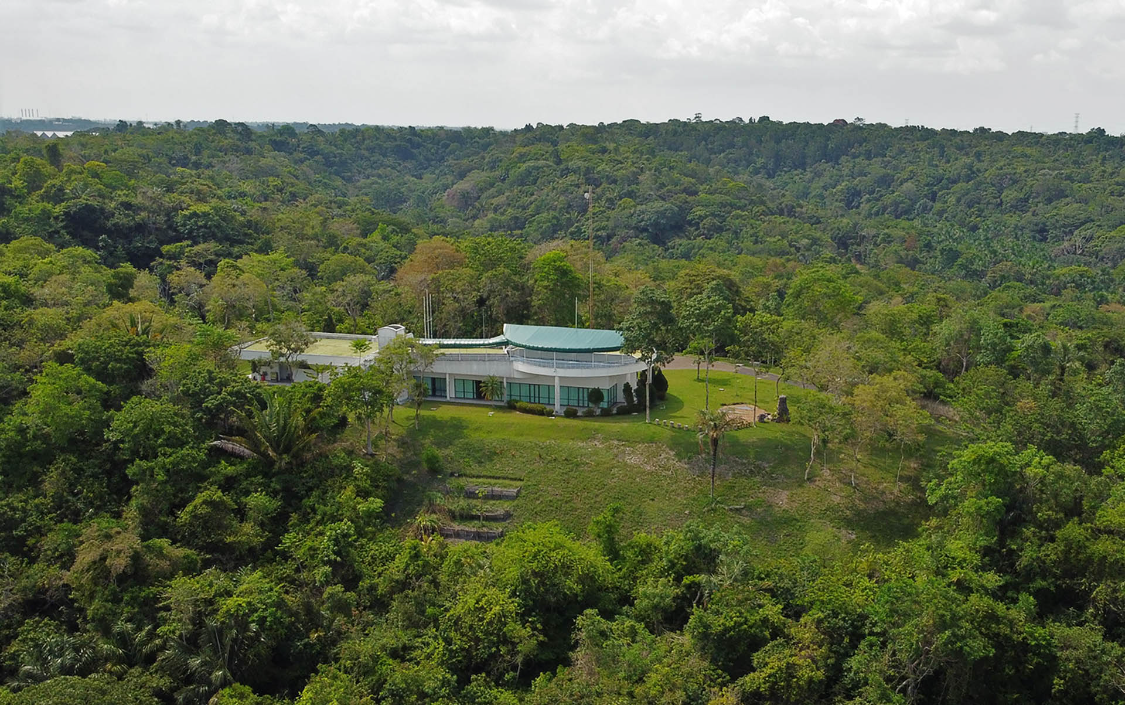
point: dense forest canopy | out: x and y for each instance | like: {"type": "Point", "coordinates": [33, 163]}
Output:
{"type": "Point", "coordinates": [174, 532]}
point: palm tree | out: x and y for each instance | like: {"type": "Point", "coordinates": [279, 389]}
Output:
{"type": "Point", "coordinates": [279, 435]}
{"type": "Point", "coordinates": [492, 387]}
{"type": "Point", "coordinates": [211, 658]}
{"type": "Point", "coordinates": [712, 425]}
{"type": "Point", "coordinates": [139, 325]}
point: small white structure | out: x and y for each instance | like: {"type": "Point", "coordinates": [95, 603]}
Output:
{"type": "Point", "coordinates": [537, 364]}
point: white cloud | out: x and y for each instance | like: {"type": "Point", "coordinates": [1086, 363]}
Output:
{"type": "Point", "coordinates": [503, 61]}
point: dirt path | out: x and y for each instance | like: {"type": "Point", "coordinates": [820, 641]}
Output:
{"type": "Point", "coordinates": [685, 363]}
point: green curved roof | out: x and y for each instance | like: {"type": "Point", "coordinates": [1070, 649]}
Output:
{"type": "Point", "coordinates": [557, 339]}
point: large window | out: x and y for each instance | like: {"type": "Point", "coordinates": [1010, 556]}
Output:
{"type": "Point", "coordinates": [467, 389]}
{"type": "Point", "coordinates": [532, 393]}
{"type": "Point", "coordinates": [579, 396]}
{"type": "Point", "coordinates": [435, 386]}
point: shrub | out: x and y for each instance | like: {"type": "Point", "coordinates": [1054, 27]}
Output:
{"type": "Point", "coordinates": [659, 385]}
{"type": "Point", "coordinates": [537, 409]}
{"type": "Point", "coordinates": [590, 411]}
{"type": "Point", "coordinates": [624, 410]}
{"type": "Point", "coordinates": [606, 411]}
{"type": "Point", "coordinates": [431, 459]}
{"type": "Point", "coordinates": [595, 396]}
{"type": "Point", "coordinates": [570, 412]}
{"type": "Point", "coordinates": [512, 403]}
{"type": "Point", "coordinates": [627, 391]}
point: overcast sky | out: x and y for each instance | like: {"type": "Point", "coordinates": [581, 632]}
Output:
{"type": "Point", "coordinates": [1006, 64]}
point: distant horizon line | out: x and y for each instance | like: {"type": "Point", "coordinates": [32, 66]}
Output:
{"type": "Point", "coordinates": [752, 120]}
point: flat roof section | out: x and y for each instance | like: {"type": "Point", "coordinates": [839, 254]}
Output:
{"type": "Point", "coordinates": [334, 347]}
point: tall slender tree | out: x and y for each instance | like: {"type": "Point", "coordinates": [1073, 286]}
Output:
{"type": "Point", "coordinates": [709, 319]}
{"type": "Point", "coordinates": [712, 426]}
{"type": "Point", "coordinates": [651, 332]}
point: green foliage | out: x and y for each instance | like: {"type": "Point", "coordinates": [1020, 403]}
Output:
{"type": "Point", "coordinates": [279, 435]}
{"type": "Point", "coordinates": [431, 459]}
{"type": "Point", "coordinates": [954, 299]}
{"type": "Point", "coordinates": [70, 690]}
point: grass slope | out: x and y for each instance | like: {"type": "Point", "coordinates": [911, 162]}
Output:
{"type": "Point", "coordinates": [572, 469]}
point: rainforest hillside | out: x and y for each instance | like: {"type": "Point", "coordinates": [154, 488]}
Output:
{"type": "Point", "coordinates": [941, 521]}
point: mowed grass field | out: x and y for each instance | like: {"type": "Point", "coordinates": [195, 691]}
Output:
{"type": "Point", "coordinates": [572, 469]}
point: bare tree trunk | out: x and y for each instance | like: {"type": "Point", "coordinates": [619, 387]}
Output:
{"type": "Point", "coordinates": [367, 422]}
{"type": "Point", "coordinates": [754, 420]}
{"type": "Point", "coordinates": [898, 473]}
{"type": "Point", "coordinates": [648, 397]}
{"type": "Point", "coordinates": [707, 387]}
{"type": "Point", "coordinates": [812, 456]}
{"type": "Point", "coordinates": [714, 459]}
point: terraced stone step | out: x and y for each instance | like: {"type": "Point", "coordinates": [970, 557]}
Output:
{"type": "Point", "coordinates": [470, 533]}
{"type": "Point", "coordinates": [483, 492]}
{"type": "Point", "coordinates": [486, 515]}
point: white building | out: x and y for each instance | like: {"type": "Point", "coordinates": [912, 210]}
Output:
{"type": "Point", "coordinates": [537, 364]}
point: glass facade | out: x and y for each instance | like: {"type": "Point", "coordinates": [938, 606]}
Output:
{"type": "Point", "coordinates": [435, 386]}
{"type": "Point", "coordinates": [578, 397]}
{"type": "Point", "coordinates": [521, 391]}
{"type": "Point", "coordinates": [467, 389]}
{"type": "Point", "coordinates": [532, 393]}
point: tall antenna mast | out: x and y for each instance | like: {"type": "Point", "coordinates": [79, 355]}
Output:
{"type": "Point", "coordinates": [590, 256]}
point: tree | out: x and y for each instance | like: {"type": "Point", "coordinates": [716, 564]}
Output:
{"type": "Point", "coordinates": [287, 340]}
{"type": "Point", "coordinates": [650, 332]}
{"type": "Point", "coordinates": [906, 424]}
{"type": "Point", "coordinates": [821, 296]}
{"type": "Point", "coordinates": [824, 417]}
{"type": "Point", "coordinates": [65, 404]}
{"type": "Point", "coordinates": [417, 395]}
{"type": "Point", "coordinates": [72, 690]}
{"type": "Point", "coordinates": [595, 396]}
{"type": "Point", "coordinates": [352, 294]}
{"type": "Point", "coordinates": [492, 387]}
{"type": "Point", "coordinates": [554, 285]}
{"type": "Point", "coordinates": [233, 295]}
{"type": "Point", "coordinates": [709, 319]}
{"type": "Point", "coordinates": [759, 338]}
{"type": "Point", "coordinates": [271, 270]}
{"type": "Point", "coordinates": [398, 362]}
{"type": "Point", "coordinates": [884, 406]}
{"type": "Point", "coordinates": [711, 427]}
{"type": "Point", "coordinates": [830, 367]}
{"type": "Point", "coordinates": [363, 393]}
{"type": "Point", "coordinates": [281, 434]}
{"type": "Point", "coordinates": [970, 336]}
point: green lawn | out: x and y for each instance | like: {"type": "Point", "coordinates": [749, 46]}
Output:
{"type": "Point", "coordinates": [571, 469]}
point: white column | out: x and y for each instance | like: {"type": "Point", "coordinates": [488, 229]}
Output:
{"type": "Point", "coordinates": [505, 399]}
{"type": "Point", "coordinates": [448, 386]}
{"type": "Point", "coordinates": [558, 402]}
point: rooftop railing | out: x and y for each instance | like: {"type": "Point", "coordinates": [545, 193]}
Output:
{"type": "Point", "coordinates": [544, 359]}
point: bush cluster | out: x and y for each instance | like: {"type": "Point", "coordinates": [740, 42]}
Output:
{"type": "Point", "coordinates": [570, 412]}
{"type": "Point", "coordinates": [537, 409]}
{"type": "Point", "coordinates": [431, 459]}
